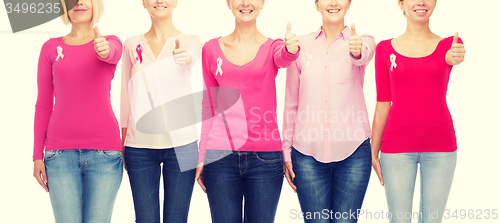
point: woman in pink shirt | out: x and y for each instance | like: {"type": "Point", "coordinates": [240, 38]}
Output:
{"type": "Point", "coordinates": [412, 124]}
{"type": "Point", "coordinates": [326, 131]}
{"type": "Point", "coordinates": [240, 144]}
{"type": "Point", "coordinates": [82, 166]}
{"type": "Point", "coordinates": [157, 116]}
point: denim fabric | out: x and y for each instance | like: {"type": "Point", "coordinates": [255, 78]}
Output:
{"type": "Point", "coordinates": [83, 184]}
{"type": "Point", "coordinates": [144, 167]}
{"type": "Point", "coordinates": [252, 178]}
{"type": "Point", "coordinates": [331, 192]}
{"type": "Point", "coordinates": [436, 175]}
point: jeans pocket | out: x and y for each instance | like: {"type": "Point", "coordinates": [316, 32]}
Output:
{"type": "Point", "coordinates": [111, 154]}
{"type": "Point", "coordinates": [269, 157]}
{"type": "Point", "coordinates": [214, 155]}
{"type": "Point", "coordinates": [50, 154]}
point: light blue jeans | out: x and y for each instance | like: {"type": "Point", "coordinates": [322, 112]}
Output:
{"type": "Point", "coordinates": [83, 184]}
{"type": "Point", "coordinates": [436, 174]}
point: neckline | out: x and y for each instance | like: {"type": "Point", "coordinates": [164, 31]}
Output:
{"type": "Point", "coordinates": [433, 52]}
{"type": "Point", "coordinates": [150, 51]}
{"type": "Point", "coordinates": [225, 58]}
{"type": "Point", "coordinates": [64, 43]}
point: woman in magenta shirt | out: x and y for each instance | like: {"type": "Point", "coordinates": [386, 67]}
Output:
{"type": "Point", "coordinates": [82, 166]}
{"type": "Point", "coordinates": [240, 144]}
{"type": "Point", "coordinates": [326, 145]}
{"type": "Point", "coordinates": [412, 124]}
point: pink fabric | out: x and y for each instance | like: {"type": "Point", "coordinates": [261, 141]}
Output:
{"type": "Point", "coordinates": [82, 117]}
{"type": "Point", "coordinates": [325, 112]}
{"type": "Point", "coordinates": [419, 119]}
{"type": "Point", "coordinates": [239, 107]}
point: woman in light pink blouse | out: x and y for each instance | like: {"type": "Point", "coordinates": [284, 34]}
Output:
{"type": "Point", "coordinates": [326, 145]}
{"type": "Point", "coordinates": [158, 116]}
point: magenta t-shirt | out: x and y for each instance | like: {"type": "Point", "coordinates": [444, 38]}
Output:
{"type": "Point", "coordinates": [419, 119]}
{"type": "Point", "coordinates": [80, 82]}
{"type": "Point", "coordinates": [239, 106]}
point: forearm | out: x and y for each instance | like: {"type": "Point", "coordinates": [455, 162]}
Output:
{"type": "Point", "coordinates": [124, 135]}
{"type": "Point", "coordinates": [379, 120]}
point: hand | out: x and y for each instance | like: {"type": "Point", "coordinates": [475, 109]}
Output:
{"type": "Point", "coordinates": [39, 174]}
{"type": "Point", "coordinates": [355, 43]}
{"type": "Point", "coordinates": [377, 168]}
{"type": "Point", "coordinates": [291, 40]}
{"type": "Point", "coordinates": [101, 45]}
{"type": "Point", "coordinates": [199, 177]}
{"type": "Point", "coordinates": [290, 175]}
{"type": "Point", "coordinates": [457, 51]}
{"type": "Point", "coordinates": [181, 57]}
{"type": "Point", "coordinates": [123, 158]}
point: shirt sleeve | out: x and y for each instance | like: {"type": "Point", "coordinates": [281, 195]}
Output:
{"type": "Point", "coordinates": [282, 58]}
{"type": "Point", "coordinates": [45, 100]}
{"type": "Point", "coordinates": [209, 101]}
{"type": "Point", "coordinates": [382, 75]}
{"type": "Point", "coordinates": [124, 97]}
{"type": "Point", "coordinates": [290, 110]}
{"type": "Point", "coordinates": [367, 51]}
{"type": "Point", "coordinates": [115, 50]}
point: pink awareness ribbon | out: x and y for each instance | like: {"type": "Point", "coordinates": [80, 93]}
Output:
{"type": "Point", "coordinates": [139, 53]}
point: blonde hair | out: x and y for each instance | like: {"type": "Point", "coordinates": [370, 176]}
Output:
{"type": "Point", "coordinates": [97, 8]}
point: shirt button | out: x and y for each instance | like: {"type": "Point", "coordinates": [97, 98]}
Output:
{"type": "Point", "coordinates": [325, 66]}
{"type": "Point", "coordinates": [326, 52]}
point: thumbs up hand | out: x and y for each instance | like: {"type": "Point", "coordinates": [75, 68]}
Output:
{"type": "Point", "coordinates": [101, 45]}
{"type": "Point", "coordinates": [181, 56]}
{"type": "Point", "coordinates": [291, 40]}
{"type": "Point", "coordinates": [457, 51]}
{"type": "Point", "coordinates": [355, 43]}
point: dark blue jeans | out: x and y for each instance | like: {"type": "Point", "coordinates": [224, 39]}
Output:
{"type": "Point", "coordinates": [144, 170]}
{"type": "Point", "coordinates": [331, 192]}
{"type": "Point", "coordinates": [255, 176]}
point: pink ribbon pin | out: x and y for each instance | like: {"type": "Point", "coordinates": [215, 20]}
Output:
{"type": "Point", "coordinates": [138, 49]}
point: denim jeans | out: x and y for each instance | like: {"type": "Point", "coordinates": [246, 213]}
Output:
{"type": "Point", "coordinates": [144, 167]}
{"type": "Point", "coordinates": [331, 192]}
{"type": "Point", "coordinates": [83, 184]}
{"type": "Point", "coordinates": [436, 174]}
{"type": "Point", "coordinates": [253, 177]}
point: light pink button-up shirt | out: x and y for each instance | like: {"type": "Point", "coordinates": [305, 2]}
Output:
{"type": "Point", "coordinates": [325, 112]}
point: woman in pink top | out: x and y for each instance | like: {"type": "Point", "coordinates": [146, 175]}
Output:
{"type": "Point", "coordinates": [412, 124]}
{"type": "Point", "coordinates": [240, 143]}
{"type": "Point", "coordinates": [82, 166]}
{"type": "Point", "coordinates": [157, 116]}
{"type": "Point", "coordinates": [326, 131]}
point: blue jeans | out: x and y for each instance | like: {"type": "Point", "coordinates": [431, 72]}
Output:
{"type": "Point", "coordinates": [83, 184]}
{"type": "Point", "coordinates": [144, 169]}
{"type": "Point", "coordinates": [256, 176]}
{"type": "Point", "coordinates": [436, 174]}
{"type": "Point", "coordinates": [331, 192]}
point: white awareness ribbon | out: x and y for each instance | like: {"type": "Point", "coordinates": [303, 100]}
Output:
{"type": "Point", "coordinates": [59, 53]}
{"type": "Point", "coordinates": [219, 67]}
{"type": "Point", "coordinates": [309, 57]}
{"type": "Point", "coordinates": [393, 61]}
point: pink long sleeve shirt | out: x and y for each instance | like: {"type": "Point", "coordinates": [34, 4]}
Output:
{"type": "Point", "coordinates": [80, 82]}
{"type": "Point", "coordinates": [419, 119]}
{"type": "Point", "coordinates": [325, 113]}
{"type": "Point", "coordinates": [239, 107]}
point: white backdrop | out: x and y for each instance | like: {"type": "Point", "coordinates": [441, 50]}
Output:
{"type": "Point", "coordinates": [472, 96]}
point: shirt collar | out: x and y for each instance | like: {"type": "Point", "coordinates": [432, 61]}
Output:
{"type": "Point", "coordinates": [346, 33]}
